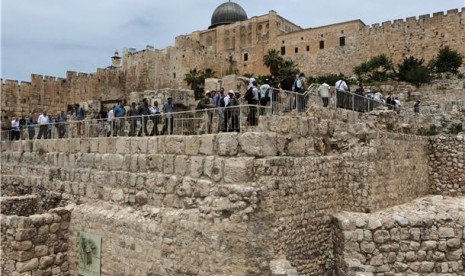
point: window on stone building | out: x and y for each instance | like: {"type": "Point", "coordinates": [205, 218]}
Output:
{"type": "Point", "coordinates": [226, 43]}
{"type": "Point", "coordinates": [308, 48]}
{"type": "Point", "coordinates": [246, 56]}
{"type": "Point", "coordinates": [174, 75]}
{"type": "Point", "coordinates": [283, 41]}
{"type": "Point", "coordinates": [249, 38]}
{"type": "Point", "coordinates": [243, 40]}
{"type": "Point", "coordinates": [283, 50]}
{"type": "Point", "coordinates": [322, 44]}
{"type": "Point", "coordinates": [296, 50]}
{"type": "Point", "coordinates": [342, 41]}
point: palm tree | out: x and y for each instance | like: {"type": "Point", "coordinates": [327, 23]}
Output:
{"type": "Point", "coordinates": [208, 73]}
{"type": "Point", "coordinates": [273, 61]}
{"type": "Point", "coordinates": [194, 79]}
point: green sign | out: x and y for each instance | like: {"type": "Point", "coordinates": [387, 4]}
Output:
{"type": "Point", "coordinates": [89, 254]}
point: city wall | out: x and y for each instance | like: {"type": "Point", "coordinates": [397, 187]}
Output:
{"type": "Point", "coordinates": [226, 48]}
{"type": "Point", "coordinates": [222, 204]}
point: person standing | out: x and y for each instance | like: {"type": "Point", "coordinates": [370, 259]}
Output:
{"type": "Point", "coordinates": [31, 127]}
{"type": "Point", "coordinates": [416, 107]}
{"type": "Point", "coordinates": [15, 129]}
{"type": "Point", "coordinates": [22, 127]}
{"type": "Point", "coordinates": [111, 121]}
{"type": "Point", "coordinates": [168, 109]}
{"type": "Point", "coordinates": [119, 113]}
{"type": "Point", "coordinates": [43, 125]}
{"type": "Point", "coordinates": [155, 112]}
{"type": "Point", "coordinates": [80, 114]}
{"type": "Point", "coordinates": [341, 93]}
{"type": "Point", "coordinates": [143, 110]}
{"type": "Point", "coordinates": [323, 90]}
{"type": "Point", "coordinates": [252, 118]}
{"type": "Point", "coordinates": [61, 120]}
{"type": "Point", "coordinates": [300, 87]}
{"type": "Point", "coordinates": [265, 90]}
{"type": "Point", "coordinates": [132, 119]}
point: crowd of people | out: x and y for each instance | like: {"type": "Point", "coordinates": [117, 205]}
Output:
{"type": "Point", "coordinates": [264, 99]}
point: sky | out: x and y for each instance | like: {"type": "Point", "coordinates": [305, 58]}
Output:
{"type": "Point", "coordinates": [50, 37]}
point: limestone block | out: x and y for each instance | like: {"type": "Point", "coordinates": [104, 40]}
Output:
{"type": "Point", "coordinates": [192, 144]}
{"type": "Point", "coordinates": [41, 250]}
{"type": "Point", "coordinates": [185, 189]}
{"type": "Point", "coordinates": [141, 198]}
{"type": "Point", "coordinates": [123, 145]}
{"type": "Point", "coordinates": [298, 147]}
{"type": "Point", "coordinates": [25, 234]}
{"type": "Point", "coordinates": [22, 246]}
{"type": "Point", "coordinates": [152, 145]}
{"type": "Point", "coordinates": [181, 165]}
{"type": "Point", "coordinates": [142, 163]}
{"type": "Point", "coordinates": [168, 164]}
{"type": "Point", "coordinates": [238, 170]}
{"type": "Point", "coordinates": [446, 232]}
{"type": "Point", "coordinates": [259, 144]}
{"type": "Point", "coordinates": [213, 168]}
{"type": "Point", "coordinates": [115, 161]}
{"type": "Point", "coordinates": [46, 262]}
{"type": "Point", "coordinates": [202, 188]}
{"type": "Point", "coordinates": [27, 266]}
{"type": "Point", "coordinates": [196, 166]}
{"type": "Point", "coordinates": [207, 144]}
{"type": "Point", "coordinates": [174, 145]}
{"type": "Point", "coordinates": [227, 144]}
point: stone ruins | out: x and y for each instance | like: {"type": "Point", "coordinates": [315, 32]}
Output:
{"type": "Point", "coordinates": [328, 191]}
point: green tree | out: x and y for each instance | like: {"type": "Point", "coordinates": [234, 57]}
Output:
{"type": "Point", "coordinates": [378, 68]}
{"type": "Point", "coordinates": [208, 73]}
{"type": "Point", "coordinates": [447, 61]}
{"type": "Point", "coordinates": [280, 68]}
{"type": "Point", "coordinates": [273, 60]}
{"type": "Point", "coordinates": [194, 80]}
{"type": "Point", "coordinates": [413, 71]}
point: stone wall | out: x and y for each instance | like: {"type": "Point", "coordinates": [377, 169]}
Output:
{"type": "Point", "coordinates": [36, 244]}
{"type": "Point", "coordinates": [425, 237]}
{"type": "Point", "coordinates": [245, 200]}
{"type": "Point", "coordinates": [447, 165]}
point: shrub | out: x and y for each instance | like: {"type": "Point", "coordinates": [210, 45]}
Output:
{"type": "Point", "coordinates": [446, 61]}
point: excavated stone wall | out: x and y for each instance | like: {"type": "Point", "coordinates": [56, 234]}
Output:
{"type": "Point", "coordinates": [447, 163]}
{"type": "Point", "coordinates": [35, 244]}
{"type": "Point", "coordinates": [222, 204]}
{"type": "Point", "coordinates": [424, 237]}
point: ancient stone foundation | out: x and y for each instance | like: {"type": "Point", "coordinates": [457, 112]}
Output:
{"type": "Point", "coordinates": [255, 203]}
{"type": "Point", "coordinates": [425, 237]}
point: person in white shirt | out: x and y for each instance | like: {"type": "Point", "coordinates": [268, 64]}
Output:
{"type": "Point", "coordinates": [397, 104]}
{"type": "Point", "coordinates": [265, 95]}
{"type": "Point", "coordinates": [43, 122]}
{"type": "Point", "coordinates": [15, 130]}
{"type": "Point", "coordinates": [324, 93]}
{"type": "Point", "coordinates": [155, 112]}
{"type": "Point", "coordinates": [110, 117]}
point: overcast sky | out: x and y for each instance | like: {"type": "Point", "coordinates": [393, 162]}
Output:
{"type": "Point", "coordinates": [50, 37]}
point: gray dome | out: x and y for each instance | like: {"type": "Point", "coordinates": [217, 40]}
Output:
{"type": "Point", "coordinates": [227, 13]}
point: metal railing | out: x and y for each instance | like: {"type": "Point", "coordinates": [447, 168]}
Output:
{"type": "Point", "coordinates": [208, 121]}
{"type": "Point", "coordinates": [239, 118]}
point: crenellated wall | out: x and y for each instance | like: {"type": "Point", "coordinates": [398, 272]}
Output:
{"type": "Point", "coordinates": [240, 47]}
